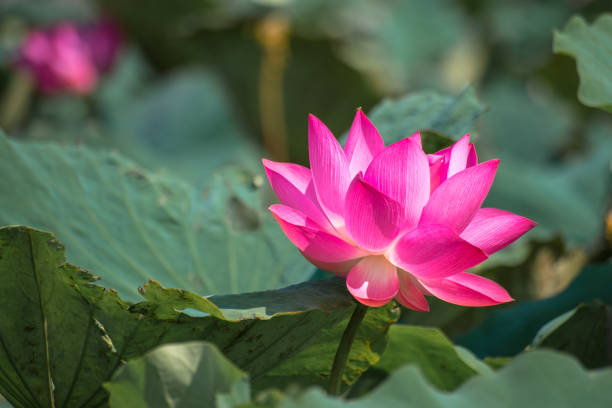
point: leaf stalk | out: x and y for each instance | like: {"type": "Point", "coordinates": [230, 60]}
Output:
{"type": "Point", "coordinates": [344, 348]}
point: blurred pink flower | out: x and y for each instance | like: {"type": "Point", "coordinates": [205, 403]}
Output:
{"type": "Point", "coordinates": [103, 42]}
{"type": "Point", "coordinates": [394, 221]}
{"type": "Point", "coordinates": [70, 58]}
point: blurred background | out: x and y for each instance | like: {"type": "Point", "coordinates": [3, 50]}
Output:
{"type": "Point", "coordinates": [186, 87]}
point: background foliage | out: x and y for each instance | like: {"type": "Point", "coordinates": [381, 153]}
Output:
{"type": "Point", "coordinates": [153, 183]}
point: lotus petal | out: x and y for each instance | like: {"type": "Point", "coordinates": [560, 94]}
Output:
{"type": "Point", "coordinates": [455, 201]}
{"type": "Point", "coordinates": [492, 229]}
{"type": "Point", "coordinates": [409, 294]}
{"type": "Point", "coordinates": [401, 171]}
{"type": "Point", "coordinates": [293, 186]}
{"type": "Point", "coordinates": [372, 219]}
{"type": "Point", "coordinates": [433, 252]}
{"type": "Point", "coordinates": [316, 244]}
{"type": "Point", "coordinates": [467, 289]}
{"type": "Point", "coordinates": [363, 143]}
{"type": "Point", "coordinates": [373, 281]}
{"type": "Point", "coordinates": [330, 170]}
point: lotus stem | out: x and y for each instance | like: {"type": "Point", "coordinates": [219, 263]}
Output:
{"type": "Point", "coordinates": [15, 100]}
{"type": "Point", "coordinates": [344, 348]}
{"type": "Point", "coordinates": [273, 35]}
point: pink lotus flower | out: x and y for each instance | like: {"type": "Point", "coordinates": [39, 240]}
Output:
{"type": "Point", "coordinates": [69, 58]}
{"type": "Point", "coordinates": [396, 222]}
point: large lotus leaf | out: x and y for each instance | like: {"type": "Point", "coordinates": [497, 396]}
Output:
{"type": "Point", "coordinates": [507, 332]}
{"type": "Point", "coordinates": [62, 335]}
{"type": "Point", "coordinates": [437, 115]}
{"type": "Point", "coordinates": [534, 379]}
{"type": "Point", "coordinates": [54, 350]}
{"type": "Point", "coordinates": [584, 332]}
{"type": "Point", "coordinates": [590, 46]}
{"type": "Point", "coordinates": [130, 226]}
{"type": "Point", "coordinates": [260, 346]}
{"type": "Point", "coordinates": [174, 376]}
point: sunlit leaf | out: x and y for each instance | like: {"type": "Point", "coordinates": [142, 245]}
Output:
{"type": "Point", "coordinates": [131, 226]}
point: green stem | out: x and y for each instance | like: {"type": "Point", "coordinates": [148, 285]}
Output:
{"type": "Point", "coordinates": [15, 100]}
{"type": "Point", "coordinates": [344, 348]}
